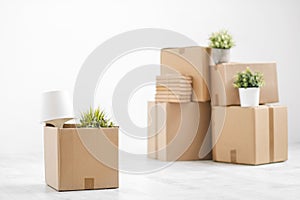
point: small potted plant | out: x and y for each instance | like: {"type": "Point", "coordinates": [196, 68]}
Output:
{"type": "Point", "coordinates": [95, 119]}
{"type": "Point", "coordinates": [221, 43]}
{"type": "Point", "coordinates": [249, 84]}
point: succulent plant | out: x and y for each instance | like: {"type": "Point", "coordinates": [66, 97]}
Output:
{"type": "Point", "coordinates": [95, 119]}
{"type": "Point", "coordinates": [248, 79]}
{"type": "Point", "coordinates": [221, 40]}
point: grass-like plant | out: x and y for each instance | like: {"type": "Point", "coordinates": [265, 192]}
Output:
{"type": "Point", "coordinates": [248, 79]}
{"type": "Point", "coordinates": [95, 119]}
{"type": "Point", "coordinates": [221, 40]}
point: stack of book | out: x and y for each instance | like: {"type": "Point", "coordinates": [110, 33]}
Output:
{"type": "Point", "coordinates": [173, 88]}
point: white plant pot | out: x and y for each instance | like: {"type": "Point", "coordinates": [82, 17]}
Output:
{"type": "Point", "coordinates": [249, 97]}
{"type": "Point", "coordinates": [221, 55]}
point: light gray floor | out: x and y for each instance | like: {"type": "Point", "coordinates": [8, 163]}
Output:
{"type": "Point", "coordinates": [22, 177]}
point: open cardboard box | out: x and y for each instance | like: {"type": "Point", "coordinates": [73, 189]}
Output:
{"type": "Point", "coordinates": [81, 158]}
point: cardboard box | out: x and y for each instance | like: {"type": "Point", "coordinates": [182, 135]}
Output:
{"type": "Point", "coordinates": [190, 61]}
{"type": "Point", "coordinates": [256, 135]}
{"type": "Point", "coordinates": [79, 159]}
{"type": "Point", "coordinates": [241, 135]}
{"type": "Point", "coordinates": [179, 131]}
{"type": "Point", "coordinates": [278, 133]}
{"type": "Point", "coordinates": [222, 77]}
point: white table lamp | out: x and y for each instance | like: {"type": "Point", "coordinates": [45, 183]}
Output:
{"type": "Point", "coordinates": [57, 108]}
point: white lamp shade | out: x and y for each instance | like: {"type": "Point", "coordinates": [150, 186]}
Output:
{"type": "Point", "coordinates": [56, 105]}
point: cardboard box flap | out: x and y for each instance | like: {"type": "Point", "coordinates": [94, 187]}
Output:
{"type": "Point", "coordinates": [278, 133]}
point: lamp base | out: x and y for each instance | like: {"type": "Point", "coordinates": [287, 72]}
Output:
{"type": "Point", "coordinates": [59, 123]}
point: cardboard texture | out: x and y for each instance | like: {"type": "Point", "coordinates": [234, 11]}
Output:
{"type": "Point", "coordinates": [179, 131]}
{"type": "Point", "coordinates": [80, 160]}
{"type": "Point", "coordinates": [241, 135]}
{"type": "Point", "coordinates": [222, 77]}
{"type": "Point", "coordinates": [278, 133]}
{"type": "Point", "coordinates": [256, 135]}
{"type": "Point", "coordinates": [189, 61]}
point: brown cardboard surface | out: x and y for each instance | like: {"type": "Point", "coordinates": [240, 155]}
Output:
{"type": "Point", "coordinates": [177, 130]}
{"type": "Point", "coordinates": [83, 159]}
{"type": "Point", "coordinates": [51, 154]}
{"type": "Point", "coordinates": [278, 133]}
{"type": "Point", "coordinates": [241, 135]}
{"type": "Point", "coordinates": [222, 77]}
{"type": "Point", "coordinates": [190, 61]}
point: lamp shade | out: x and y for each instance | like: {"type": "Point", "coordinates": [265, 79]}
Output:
{"type": "Point", "coordinates": [56, 105]}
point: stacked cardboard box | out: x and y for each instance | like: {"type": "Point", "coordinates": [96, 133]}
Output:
{"type": "Point", "coordinates": [189, 61]}
{"type": "Point", "coordinates": [222, 77]}
{"type": "Point", "coordinates": [177, 131]}
{"type": "Point", "coordinates": [178, 125]}
{"type": "Point", "coordinates": [254, 135]}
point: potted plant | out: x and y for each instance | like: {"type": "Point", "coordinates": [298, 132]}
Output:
{"type": "Point", "coordinates": [95, 119]}
{"type": "Point", "coordinates": [221, 42]}
{"type": "Point", "coordinates": [249, 84]}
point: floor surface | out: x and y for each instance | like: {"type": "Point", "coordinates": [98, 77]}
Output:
{"type": "Point", "coordinates": [22, 177]}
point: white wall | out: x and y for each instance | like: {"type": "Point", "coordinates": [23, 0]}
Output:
{"type": "Point", "coordinates": [44, 43]}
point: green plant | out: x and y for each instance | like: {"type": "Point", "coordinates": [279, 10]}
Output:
{"type": "Point", "coordinates": [94, 119]}
{"type": "Point", "coordinates": [221, 40]}
{"type": "Point", "coordinates": [248, 79]}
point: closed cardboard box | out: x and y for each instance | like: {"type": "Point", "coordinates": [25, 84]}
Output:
{"type": "Point", "coordinates": [79, 159]}
{"type": "Point", "coordinates": [179, 131]}
{"type": "Point", "coordinates": [189, 61]}
{"type": "Point", "coordinates": [256, 135]}
{"type": "Point", "coordinates": [241, 135]}
{"type": "Point", "coordinates": [222, 77]}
